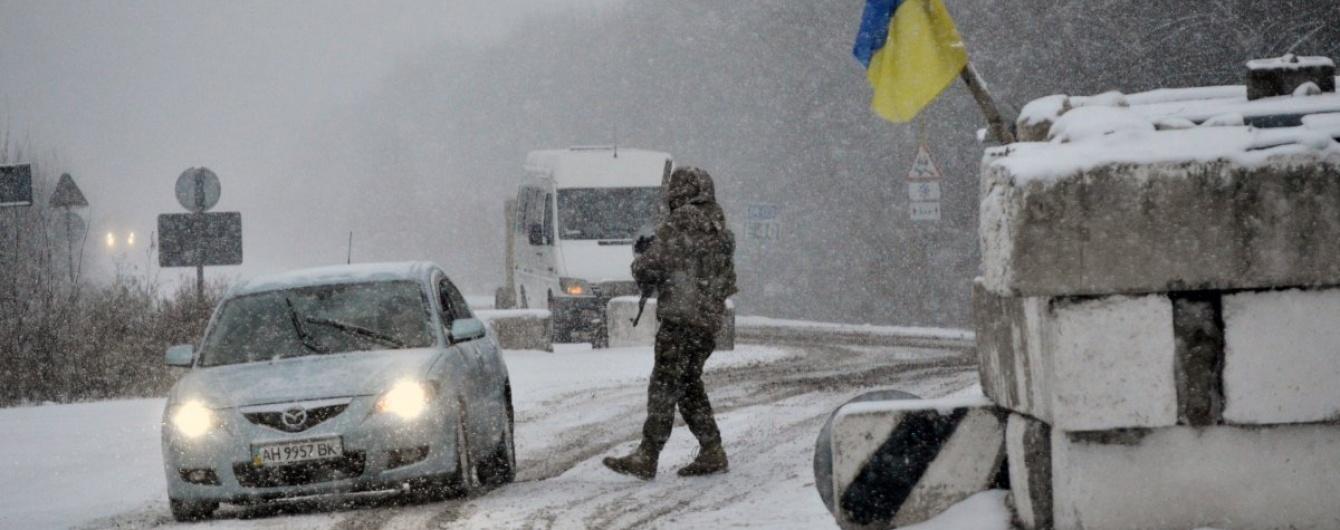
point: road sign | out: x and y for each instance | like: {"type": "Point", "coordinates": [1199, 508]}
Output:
{"type": "Point", "coordinates": [16, 185]}
{"type": "Point", "coordinates": [923, 168]}
{"type": "Point", "coordinates": [761, 221]}
{"type": "Point", "coordinates": [925, 211]}
{"type": "Point", "coordinates": [198, 189]}
{"type": "Point", "coordinates": [67, 194]}
{"type": "Point", "coordinates": [72, 227]}
{"type": "Point", "coordinates": [199, 239]}
{"type": "Point", "coordinates": [923, 187]}
{"type": "Point", "coordinates": [924, 191]}
{"type": "Point", "coordinates": [762, 211]}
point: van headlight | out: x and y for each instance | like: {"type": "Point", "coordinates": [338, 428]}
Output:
{"type": "Point", "coordinates": [407, 399]}
{"type": "Point", "coordinates": [193, 419]}
{"type": "Point", "coordinates": [574, 287]}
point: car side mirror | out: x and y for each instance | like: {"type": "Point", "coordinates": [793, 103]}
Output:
{"type": "Point", "coordinates": [535, 233]}
{"type": "Point", "coordinates": [181, 355]}
{"type": "Point", "coordinates": [463, 329]}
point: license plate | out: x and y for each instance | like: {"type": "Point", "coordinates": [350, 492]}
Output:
{"type": "Point", "coordinates": [277, 454]}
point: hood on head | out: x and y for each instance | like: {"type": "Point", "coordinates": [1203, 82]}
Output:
{"type": "Point", "coordinates": [690, 185]}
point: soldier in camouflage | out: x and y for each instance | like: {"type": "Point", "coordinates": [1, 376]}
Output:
{"type": "Point", "coordinates": [691, 264]}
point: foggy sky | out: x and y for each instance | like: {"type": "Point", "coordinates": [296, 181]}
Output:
{"type": "Point", "coordinates": [126, 95]}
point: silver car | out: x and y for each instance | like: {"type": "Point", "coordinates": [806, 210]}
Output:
{"type": "Point", "coordinates": [338, 379]}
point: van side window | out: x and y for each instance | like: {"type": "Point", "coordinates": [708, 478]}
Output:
{"type": "Point", "coordinates": [548, 219]}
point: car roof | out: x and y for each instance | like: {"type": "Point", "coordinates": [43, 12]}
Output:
{"type": "Point", "coordinates": [599, 167]}
{"type": "Point", "coordinates": [415, 271]}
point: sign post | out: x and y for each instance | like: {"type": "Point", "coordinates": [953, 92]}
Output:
{"type": "Point", "coordinates": [199, 239]}
{"type": "Point", "coordinates": [68, 196]}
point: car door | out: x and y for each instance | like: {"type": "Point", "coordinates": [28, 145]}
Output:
{"type": "Point", "coordinates": [478, 391]}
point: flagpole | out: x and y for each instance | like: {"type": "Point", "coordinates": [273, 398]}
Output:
{"type": "Point", "coordinates": [995, 123]}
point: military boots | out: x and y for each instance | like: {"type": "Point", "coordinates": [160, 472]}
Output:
{"type": "Point", "coordinates": [710, 460]}
{"type": "Point", "coordinates": [640, 464]}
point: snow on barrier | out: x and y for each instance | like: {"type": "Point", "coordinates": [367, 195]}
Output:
{"type": "Point", "coordinates": [520, 329]}
{"type": "Point", "coordinates": [899, 462]}
{"type": "Point", "coordinates": [622, 333]}
{"type": "Point", "coordinates": [1157, 310]}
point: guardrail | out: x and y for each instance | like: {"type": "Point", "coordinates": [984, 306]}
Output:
{"type": "Point", "coordinates": [799, 332]}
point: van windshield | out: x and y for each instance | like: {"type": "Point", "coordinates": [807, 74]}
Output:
{"type": "Point", "coordinates": [606, 213]}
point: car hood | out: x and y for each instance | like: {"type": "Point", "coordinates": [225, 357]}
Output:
{"type": "Point", "coordinates": [362, 373]}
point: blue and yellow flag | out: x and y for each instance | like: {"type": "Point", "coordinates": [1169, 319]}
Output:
{"type": "Point", "coordinates": [911, 51]}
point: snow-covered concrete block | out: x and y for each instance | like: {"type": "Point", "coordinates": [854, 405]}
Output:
{"type": "Point", "coordinates": [1281, 476]}
{"type": "Point", "coordinates": [1282, 356]}
{"type": "Point", "coordinates": [1209, 208]}
{"type": "Point", "coordinates": [520, 329]}
{"type": "Point", "coordinates": [623, 334]}
{"type": "Point", "coordinates": [1082, 363]}
{"type": "Point", "coordinates": [901, 462]}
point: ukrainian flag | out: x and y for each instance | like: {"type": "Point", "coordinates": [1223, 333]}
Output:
{"type": "Point", "coordinates": [911, 51]}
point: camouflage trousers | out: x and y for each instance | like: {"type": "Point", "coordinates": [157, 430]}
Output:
{"type": "Point", "coordinates": [677, 382]}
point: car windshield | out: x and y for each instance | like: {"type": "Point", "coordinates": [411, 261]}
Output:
{"type": "Point", "coordinates": [605, 213]}
{"type": "Point", "coordinates": [319, 320]}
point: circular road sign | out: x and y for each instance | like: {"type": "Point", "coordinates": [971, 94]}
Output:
{"type": "Point", "coordinates": [198, 189]}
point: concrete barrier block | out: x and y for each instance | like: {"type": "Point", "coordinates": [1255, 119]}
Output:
{"type": "Point", "coordinates": [1081, 363]}
{"type": "Point", "coordinates": [1160, 227]}
{"type": "Point", "coordinates": [1028, 456]}
{"type": "Point", "coordinates": [900, 462]}
{"type": "Point", "coordinates": [622, 333]}
{"type": "Point", "coordinates": [520, 329]}
{"type": "Point", "coordinates": [1281, 476]}
{"type": "Point", "coordinates": [1282, 356]}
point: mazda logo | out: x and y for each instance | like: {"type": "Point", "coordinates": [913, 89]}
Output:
{"type": "Point", "coordinates": [294, 418]}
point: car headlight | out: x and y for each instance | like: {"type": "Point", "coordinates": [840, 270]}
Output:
{"type": "Point", "coordinates": [193, 419]}
{"type": "Point", "coordinates": [574, 286]}
{"type": "Point", "coordinates": [407, 399]}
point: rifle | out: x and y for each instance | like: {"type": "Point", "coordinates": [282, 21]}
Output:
{"type": "Point", "coordinates": [643, 243]}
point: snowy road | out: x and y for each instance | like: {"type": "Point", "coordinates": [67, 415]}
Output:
{"type": "Point", "coordinates": [573, 407]}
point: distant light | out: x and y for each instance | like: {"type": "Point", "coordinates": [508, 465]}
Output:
{"type": "Point", "coordinates": [130, 240]}
{"type": "Point", "coordinates": [111, 240]}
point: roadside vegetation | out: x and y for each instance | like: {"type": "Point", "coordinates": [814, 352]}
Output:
{"type": "Point", "coordinates": [65, 337]}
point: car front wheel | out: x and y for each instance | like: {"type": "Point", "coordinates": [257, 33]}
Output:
{"type": "Point", "coordinates": [500, 467]}
{"type": "Point", "coordinates": [184, 511]}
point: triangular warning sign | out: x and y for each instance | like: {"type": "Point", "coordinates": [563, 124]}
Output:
{"type": "Point", "coordinates": [67, 194]}
{"type": "Point", "coordinates": [923, 168]}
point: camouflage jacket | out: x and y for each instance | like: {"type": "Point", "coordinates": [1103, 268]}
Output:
{"type": "Point", "coordinates": [692, 260]}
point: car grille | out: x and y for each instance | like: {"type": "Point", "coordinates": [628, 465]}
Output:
{"type": "Point", "coordinates": [314, 416]}
{"type": "Point", "coordinates": [348, 466]}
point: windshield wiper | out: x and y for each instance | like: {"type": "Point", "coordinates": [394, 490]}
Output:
{"type": "Point", "coordinates": [358, 331]}
{"type": "Point", "coordinates": [308, 341]}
